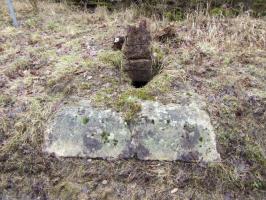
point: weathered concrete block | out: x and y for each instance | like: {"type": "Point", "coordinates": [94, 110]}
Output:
{"type": "Point", "coordinates": [138, 71]}
{"type": "Point", "coordinates": [137, 52]}
{"type": "Point", "coordinates": [138, 35]}
{"type": "Point", "coordinates": [80, 131]}
{"type": "Point", "coordinates": [160, 132]}
{"type": "Point", "coordinates": [174, 132]}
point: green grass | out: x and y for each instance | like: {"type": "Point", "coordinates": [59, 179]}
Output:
{"type": "Point", "coordinates": [113, 58]}
{"type": "Point", "coordinates": [5, 100]}
{"type": "Point", "coordinates": [51, 65]}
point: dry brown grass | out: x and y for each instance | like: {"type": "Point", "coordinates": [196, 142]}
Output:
{"type": "Point", "coordinates": [61, 54]}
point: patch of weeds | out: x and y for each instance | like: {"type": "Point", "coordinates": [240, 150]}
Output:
{"type": "Point", "coordinates": [62, 75]}
{"type": "Point", "coordinates": [127, 102]}
{"type": "Point", "coordinates": [74, 45]}
{"type": "Point", "coordinates": [22, 63]}
{"type": "Point", "coordinates": [88, 63]}
{"type": "Point", "coordinates": [229, 137]}
{"type": "Point", "coordinates": [255, 71]}
{"type": "Point", "coordinates": [229, 12]}
{"type": "Point", "coordinates": [253, 152]}
{"type": "Point", "coordinates": [60, 85]}
{"type": "Point", "coordinates": [66, 64]}
{"type": "Point", "coordinates": [32, 23]}
{"type": "Point", "coordinates": [5, 100]}
{"type": "Point", "coordinates": [103, 96]}
{"type": "Point", "coordinates": [132, 110]}
{"type": "Point", "coordinates": [230, 107]}
{"type": "Point", "coordinates": [140, 93]}
{"type": "Point", "coordinates": [28, 128]}
{"type": "Point", "coordinates": [158, 56]}
{"type": "Point", "coordinates": [84, 86]}
{"type": "Point", "coordinates": [35, 38]}
{"type": "Point", "coordinates": [175, 15]}
{"type": "Point", "coordinates": [224, 174]}
{"type": "Point", "coordinates": [28, 81]}
{"type": "Point", "coordinates": [52, 25]}
{"type": "Point", "coordinates": [65, 61]}
{"type": "Point", "coordinates": [4, 128]}
{"type": "Point", "coordinates": [186, 56]}
{"type": "Point", "coordinates": [224, 138]}
{"type": "Point", "coordinates": [47, 54]}
{"type": "Point", "coordinates": [85, 120]}
{"type": "Point", "coordinates": [207, 48]}
{"type": "Point", "coordinates": [19, 64]}
{"type": "Point", "coordinates": [11, 31]}
{"type": "Point", "coordinates": [99, 98]}
{"type": "Point", "coordinates": [66, 190]}
{"type": "Point", "coordinates": [257, 184]}
{"type": "Point", "coordinates": [227, 60]}
{"type": "Point", "coordinates": [160, 84]}
{"type": "Point", "coordinates": [114, 58]}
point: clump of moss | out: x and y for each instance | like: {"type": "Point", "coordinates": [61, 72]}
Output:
{"type": "Point", "coordinates": [160, 84]}
{"type": "Point", "coordinates": [133, 109]}
{"type": "Point", "coordinates": [85, 120]}
{"type": "Point", "coordinates": [127, 102]}
{"type": "Point", "coordinates": [140, 93]}
{"type": "Point", "coordinates": [103, 96]}
{"type": "Point", "coordinates": [105, 137]}
{"type": "Point", "coordinates": [130, 108]}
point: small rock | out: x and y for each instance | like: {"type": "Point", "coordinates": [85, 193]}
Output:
{"type": "Point", "coordinates": [89, 77]}
{"type": "Point", "coordinates": [118, 43]}
{"type": "Point", "coordinates": [173, 191]}
{"type": "Point", "coordinates": [104, 182]}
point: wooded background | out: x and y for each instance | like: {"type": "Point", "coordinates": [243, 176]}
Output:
{"type": "Point", "coordinates": [175, 9]}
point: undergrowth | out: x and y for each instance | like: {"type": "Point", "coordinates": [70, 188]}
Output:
{"type": "Point", "coordinates": [62, 54]}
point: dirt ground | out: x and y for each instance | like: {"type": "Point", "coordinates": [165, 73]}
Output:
{"type": "Point", "coordinates": [62, 54]}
